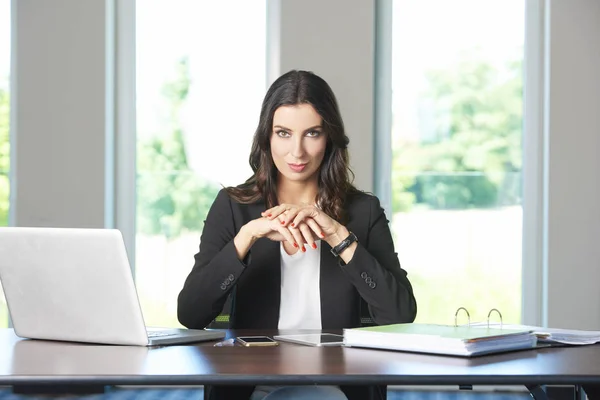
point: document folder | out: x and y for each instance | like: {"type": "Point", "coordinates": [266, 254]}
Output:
{"type": "Point", "coordinates": [453, 340]}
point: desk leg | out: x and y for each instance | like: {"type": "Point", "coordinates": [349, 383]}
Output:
{"type": "Point", "coordinates": [537, 392]}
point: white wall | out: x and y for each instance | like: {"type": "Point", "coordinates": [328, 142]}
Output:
{"type": "Point", "coordinates": [573, 165]}
{"type": "Point", "coordinates": [59, 157]}
{"type": "Point", "coordinates": [336, 40]}
{"type": "Point", "coordinates": [58, 120]}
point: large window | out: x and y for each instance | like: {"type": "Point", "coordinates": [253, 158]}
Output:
{"type": "Point", "coordinates": [4, 125]}
{"type": "Point", "coordinates": [200, 81]}
{"type": "Point", "coordinates": [456, 169]}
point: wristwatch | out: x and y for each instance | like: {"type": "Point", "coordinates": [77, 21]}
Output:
{"type": "Point", "coordinates": [337, 250]}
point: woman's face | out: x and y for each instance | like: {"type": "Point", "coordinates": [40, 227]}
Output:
{"type": "Point", "coordinates": [297, 142]}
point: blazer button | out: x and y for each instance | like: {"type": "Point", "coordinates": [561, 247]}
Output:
{"type": "Point", "coordinates": [363, 275]}
{"type": "Point", "coordinates": [372, 285]}
{"type": "Point", "coordinates": [231, 277]}
{"type": "Point", "coordinates": [223, 286]}
{"type": "Point", "coordinates": [368, 280]}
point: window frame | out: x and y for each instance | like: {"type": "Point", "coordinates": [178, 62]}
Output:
{"type": "Point", "coordinates": [125, 124]}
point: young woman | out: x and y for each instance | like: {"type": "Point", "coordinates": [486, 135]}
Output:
{"type": "Point", "coordinates": [297, 245]}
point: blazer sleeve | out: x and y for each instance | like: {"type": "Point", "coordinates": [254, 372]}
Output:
{"type": "Point", "coordinates": [376, 273]}
{"type": "Point", "coordinates": [216, 268]}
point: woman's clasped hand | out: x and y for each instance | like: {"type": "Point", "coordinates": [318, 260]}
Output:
{"type": "Point", "coordinates": [300, 225]}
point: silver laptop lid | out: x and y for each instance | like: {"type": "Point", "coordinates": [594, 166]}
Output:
{"type": "Point", "coordinates": [70, 284]}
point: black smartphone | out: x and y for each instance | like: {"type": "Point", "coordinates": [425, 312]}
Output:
{"type": "Point", "coordinates": [249, 341]}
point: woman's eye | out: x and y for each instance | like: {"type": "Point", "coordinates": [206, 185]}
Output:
{"type": "Point", "coordinates": [313, 134]}
{"type": "Point", "coordinates": [283, 134]}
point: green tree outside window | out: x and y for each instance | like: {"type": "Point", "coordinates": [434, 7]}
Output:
{"type": "Point", "coordinates": [171, 197]}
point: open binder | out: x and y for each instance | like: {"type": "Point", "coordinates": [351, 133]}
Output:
{"type": "Point", "coordinates": [547, 336]}
{"type": "Point", "coordinates": [556, 336]}
{"type": "Point", "coordinates": [455, 340]}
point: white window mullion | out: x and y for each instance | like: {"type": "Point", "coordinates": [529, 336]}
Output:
{"type": "Point", "coordinates": [534, 175]}
{"type": "Point", "coordinates": [382, 98]}
{"type": "Point", "coordinates": [125, 126]}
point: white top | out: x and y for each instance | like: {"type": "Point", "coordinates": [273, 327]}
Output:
{"type": "Point", "coordinates": [300, 306]}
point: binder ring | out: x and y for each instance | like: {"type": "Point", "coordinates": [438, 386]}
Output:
{"type": "Point", "coordinates": [490, 313]}
{"type": "Point", "coordinates": [468, 316]}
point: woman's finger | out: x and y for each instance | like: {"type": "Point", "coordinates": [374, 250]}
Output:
{"type": "Point", "coordinates": [276, 211]}
{"type": "Point", "coordinates": [273, 212]}
{"type": "Point", "coordinates": [307, 235]}
{"type": "Point", "coordinates": [281, 218]}
{"type": "Point", "coordinates": [267, 213]}
{"type": "Point", "coordinates": [316, 228]}
{"type": "Point", "coordinates": [327, 224]}
{"type": "Point", "coordinates": [298, 238]}
{"type": "Point", "coordinates": [301, 216]}
{"type": "Point", "coordinates": [286, 234]}
{"type": "Point", "coordinates": [290, 216]}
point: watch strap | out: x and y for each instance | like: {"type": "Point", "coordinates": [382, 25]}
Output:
{"type": "Point", "coordinates": [343, 245]}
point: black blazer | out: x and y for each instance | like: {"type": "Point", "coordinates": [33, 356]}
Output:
{"type": "Point", "coordinates": [371, 284]}
{"type": "Point", "coordinates": [373, 277]}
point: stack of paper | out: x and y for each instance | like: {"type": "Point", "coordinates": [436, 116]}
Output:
{"type": "Point", "coordinates": [553, 335]}
{"type": "Point", "coordinates": [440, 339]}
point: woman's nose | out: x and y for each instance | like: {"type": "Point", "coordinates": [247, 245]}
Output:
{"type": "Point", "coordinates": [298, 148]}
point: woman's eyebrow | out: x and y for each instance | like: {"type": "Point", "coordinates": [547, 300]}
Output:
{"type": "Point", "coordinates": [312, 128]}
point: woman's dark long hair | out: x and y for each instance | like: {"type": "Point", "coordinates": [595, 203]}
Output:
{"type": "Point", "coordinates": [334, 181]}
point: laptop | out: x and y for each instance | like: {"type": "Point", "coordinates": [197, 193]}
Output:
{"type": "Point", "coordinates": [76, 285]}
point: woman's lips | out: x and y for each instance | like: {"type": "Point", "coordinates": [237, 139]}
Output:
{"type": "Point", "coordinates": [297, 167]}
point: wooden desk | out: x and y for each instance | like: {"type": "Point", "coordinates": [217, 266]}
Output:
{"type": "Point", "coordinates": [33, 362]}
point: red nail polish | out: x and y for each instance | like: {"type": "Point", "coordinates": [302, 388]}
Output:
{"type": "Point", "coordinates": [293, 224]}
{"type": "Point", "coordinates": [282, 222]}
{"type": "Point", "coordinates": [269, 215]}
{"type": "Point", "coordinates": [303, 249]}
{"type": "Point", "coordinates": [322, 234]}
{"type": "Point", "coordinates": [295, 244]}
{"type": "Point", "coordinates": [314, 245]}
